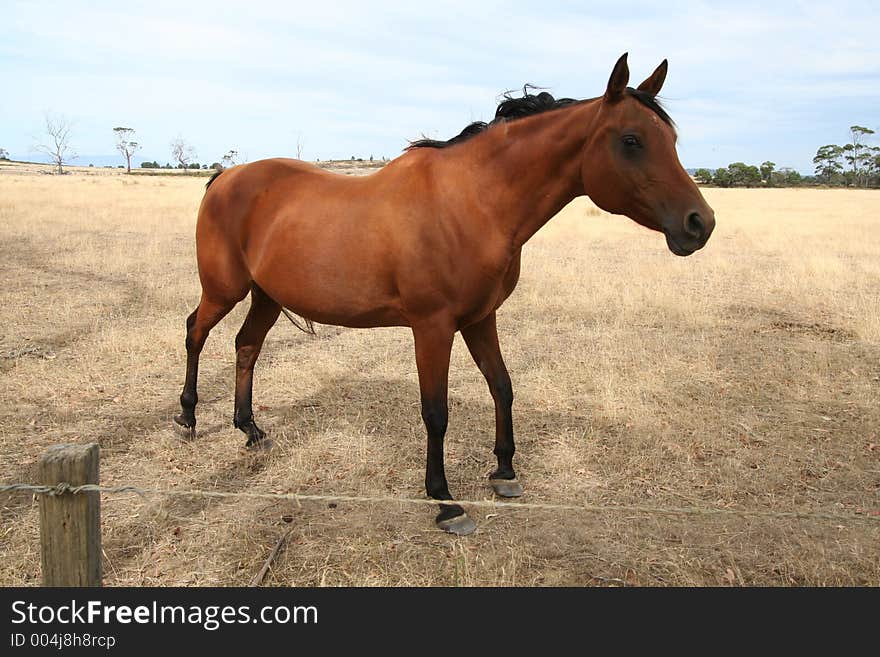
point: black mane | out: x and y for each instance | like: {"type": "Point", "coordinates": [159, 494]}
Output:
{"type": "Point", "coordinates": [512, 108]}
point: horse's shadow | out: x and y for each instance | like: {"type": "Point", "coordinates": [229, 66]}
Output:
{"type": "Point", "coordinates": [383, 417]}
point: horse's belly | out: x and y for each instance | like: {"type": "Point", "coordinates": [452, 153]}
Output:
{"type": "Point", "coordinates": [322, 274]}
{"type": "Point", "coordinates": [364, 318]}
{"type": "Point", "coordinates": [335, 299]}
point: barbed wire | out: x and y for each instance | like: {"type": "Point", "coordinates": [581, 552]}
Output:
{"type": "Point", "coordinates": [65, 488]}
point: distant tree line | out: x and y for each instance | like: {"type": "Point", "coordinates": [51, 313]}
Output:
{"type": "Point", "coordinates": [184, 154]}
{"type": "Point", "coordinates": [855, 164]}
{"type": "Point", "coordinates": [191, 165]}
{"type": "Point", "coordinates": [57, 146]}
{"type": "Point", "coordinates": [740, 174]}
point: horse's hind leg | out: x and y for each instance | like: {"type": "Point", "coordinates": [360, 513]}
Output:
{"type": "Point", "coordinates": [198, 326]}
{"type": "Point", "coordinates": [260, 318]}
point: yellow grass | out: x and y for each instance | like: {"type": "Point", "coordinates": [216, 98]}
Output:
{"type": "Point", "coordinates": [745, 376]}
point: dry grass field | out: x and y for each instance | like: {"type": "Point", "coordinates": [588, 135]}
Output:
{"type": "Point", "coordinates": [745, 377]}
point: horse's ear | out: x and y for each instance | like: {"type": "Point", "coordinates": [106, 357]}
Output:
{"type": "Point", "coordinates": [654, 83]}
{"type": "Point", "coordinates": [618, 80]}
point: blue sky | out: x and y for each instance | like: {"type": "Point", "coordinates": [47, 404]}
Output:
{"type": "Point", "coordinates": [748, 81]}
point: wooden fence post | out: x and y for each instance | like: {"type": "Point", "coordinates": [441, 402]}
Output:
{"type": "Point", "coordinates": [70, 524]}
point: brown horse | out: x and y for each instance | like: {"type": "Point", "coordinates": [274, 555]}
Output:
{"type": "Point", "coordinates": [432, 241]}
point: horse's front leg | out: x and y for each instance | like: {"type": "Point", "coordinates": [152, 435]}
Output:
{"type": "Point", "coordinates": [482, 341]}
{"type": "Point", "coordinates": [433, 346]}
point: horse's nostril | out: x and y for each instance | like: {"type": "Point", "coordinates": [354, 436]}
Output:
{"type": "Point", "coordinates": [694, 225]}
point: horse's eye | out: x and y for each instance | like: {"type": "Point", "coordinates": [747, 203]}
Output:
{"type": "Point", "coordinates": [631, 141]}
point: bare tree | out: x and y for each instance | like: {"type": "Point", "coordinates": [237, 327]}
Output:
{"type": "Point", "coordinates": [57, 146]}
{"type": "Point", "coordinates": [299, 147]}
{"type": "Point", "coordinates": [4, 154]}
{"type": "Point", "coordinates": [126, 144]}
{"type": "Point", "coordinates": [182, 152]}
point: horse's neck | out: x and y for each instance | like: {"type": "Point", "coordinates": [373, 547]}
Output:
{"type": "Point", "coordinates": [528, 170]}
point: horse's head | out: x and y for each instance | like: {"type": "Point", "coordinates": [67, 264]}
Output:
{"type": "Point", "coordinates": [630, 165]}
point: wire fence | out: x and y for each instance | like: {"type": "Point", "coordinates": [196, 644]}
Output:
{"type": "Point", "coordinates": [65, 488]}
{"type": "Point", "coordinates": [70, 511]}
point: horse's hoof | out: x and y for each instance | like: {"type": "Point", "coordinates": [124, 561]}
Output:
{"type": "Point", "coordinates": [261, 445]}
{"type": "Point", "coordinates": [459, 525]}
{"type": "Point", "coordinates": [506, 487]}
{"type": "Point", "coordinates": [184, 430]}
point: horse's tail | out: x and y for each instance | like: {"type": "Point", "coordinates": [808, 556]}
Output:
{"type": "Point", "coordinates": [309, 326]}
{"type": "Point", "coordinates": [213, 177]}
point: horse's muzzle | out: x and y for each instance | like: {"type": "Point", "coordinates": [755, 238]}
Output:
{"type": "Point", "coordinates": [691, 235]}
